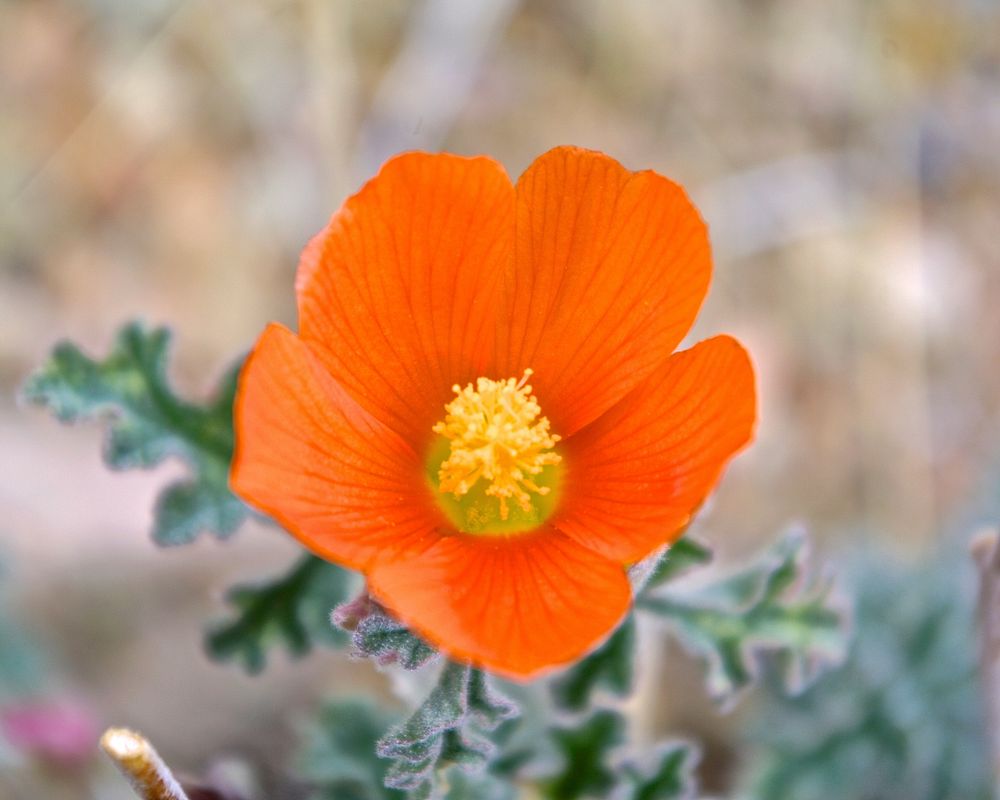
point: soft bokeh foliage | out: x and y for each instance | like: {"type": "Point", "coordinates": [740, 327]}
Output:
{"type": "Point", "coordinates": [904, 718]}
{"type": "Point", "coordinates": [169, 158]}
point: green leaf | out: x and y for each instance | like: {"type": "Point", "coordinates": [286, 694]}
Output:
{"type": "Point", "coordinates": [185, 508]}
{"type": "Point", "coordinates": [610, 667]}
{"type": "Point", "coordinates": [339, 758]}
{"type": "Point", "coordinates": [669, 779]}
{"type": "Point", "coordinates": [387, 640]}
{"type": "Point", "coordinates": [903, 718]}
{"type": "Point", "coordinates": [487, 708]}
{"type": "Point", "coordinates": [771, 608]}
{"type": "Point", "coordinates": [445, 730]}
{"type": "Point", "coordinates": [586, 751]}
{"type": "Point", "coordinates": [293, 610]}
{"type": "Point", "coordinates": [681, 557]}
{"type": "Point", "coordinates": [594, 764]}
{"type": "Point", "coordinates": [148, 423]}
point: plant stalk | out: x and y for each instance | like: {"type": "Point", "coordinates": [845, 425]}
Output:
{"type": "Point", "coordinates": [142, 767]}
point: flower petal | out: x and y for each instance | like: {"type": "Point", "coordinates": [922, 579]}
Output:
{"type": "Point", "coordinates": [398, 295]}
{"type": "Point", "coordinates": [342, 483]}
{"type": "Point", "coordinates": [635, 477]}
{"type": "Point", "coordinates": [514, 606]}
{"type": "Point", "coordinates": [610, 270]}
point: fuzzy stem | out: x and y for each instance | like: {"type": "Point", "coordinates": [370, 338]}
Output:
{"type": "Point", "coordinates": [139, 763]}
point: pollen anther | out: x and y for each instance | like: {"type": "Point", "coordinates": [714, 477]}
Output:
{"type": "Point", "coordinates": [498, 436]}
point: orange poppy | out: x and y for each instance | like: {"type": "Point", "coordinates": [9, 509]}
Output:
{"type": "Point", "coordinates": [482, 409]}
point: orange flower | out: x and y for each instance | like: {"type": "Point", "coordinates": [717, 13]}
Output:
{"type": "Point", "coordinates": [482, 409]}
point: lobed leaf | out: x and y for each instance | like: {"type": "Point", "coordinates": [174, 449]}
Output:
{"type": "Point", "coordinates": [293, 610]}
{"type": "Point", "coordinates": [377, 635]}
{"type": "Point", "coordinates": [773, 607]}
{"type": "Point", "coordinates": [148, 423]}
{"type": "Point", "coordinates": [681, 557]}
{"type": "Point", "coordinates": [445, 730]}
{"type": "Point", "coordinates": [669, 779]}
{"type": "Point", "coordinates": [903, 718]}
{"type": "Point", "coordinates": [610, 668]}
{"type": "Point", "coordinates": [586, 751]}
{"type": "Point", "coordinates": [595, 764]}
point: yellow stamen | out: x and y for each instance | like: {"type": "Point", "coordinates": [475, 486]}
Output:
{"type": "Point", "coordinates": [496, 435]}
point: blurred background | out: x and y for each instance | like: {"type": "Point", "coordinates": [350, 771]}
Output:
{"type": "Point", "coordinates": [168, 159]}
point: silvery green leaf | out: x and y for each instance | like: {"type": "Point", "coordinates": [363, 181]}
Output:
{"type": "Point", "coordinates": [382, 637]}
{"type": "Point", "coordinates": [587, 751]}
{"type": "Point", "coordinates": [681, 557]}
{"type": "Point", "coordinates": [774, 608]}
{"type": "Point", "coordinates": [293, 610]}
{"type": "Point", "coordinates": [147, 423]}
{"type": "Point", "coordinates": [903, 718]}
{"type": "Point", "coordinates": [609, 668]}
{"type": "Point", "coordinates": [446, 730]}
{"type": "Point", "coordinates": [667, 776]}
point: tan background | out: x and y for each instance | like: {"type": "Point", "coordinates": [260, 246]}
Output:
{"type": "Point", "coordinates": [168, 160]}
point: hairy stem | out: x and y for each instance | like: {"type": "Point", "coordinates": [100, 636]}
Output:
{"type": "Point", "coordinates": [138, 762]}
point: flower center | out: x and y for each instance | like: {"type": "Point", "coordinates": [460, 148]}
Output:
{"type": "Point", "coordinates": [495, 463]}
